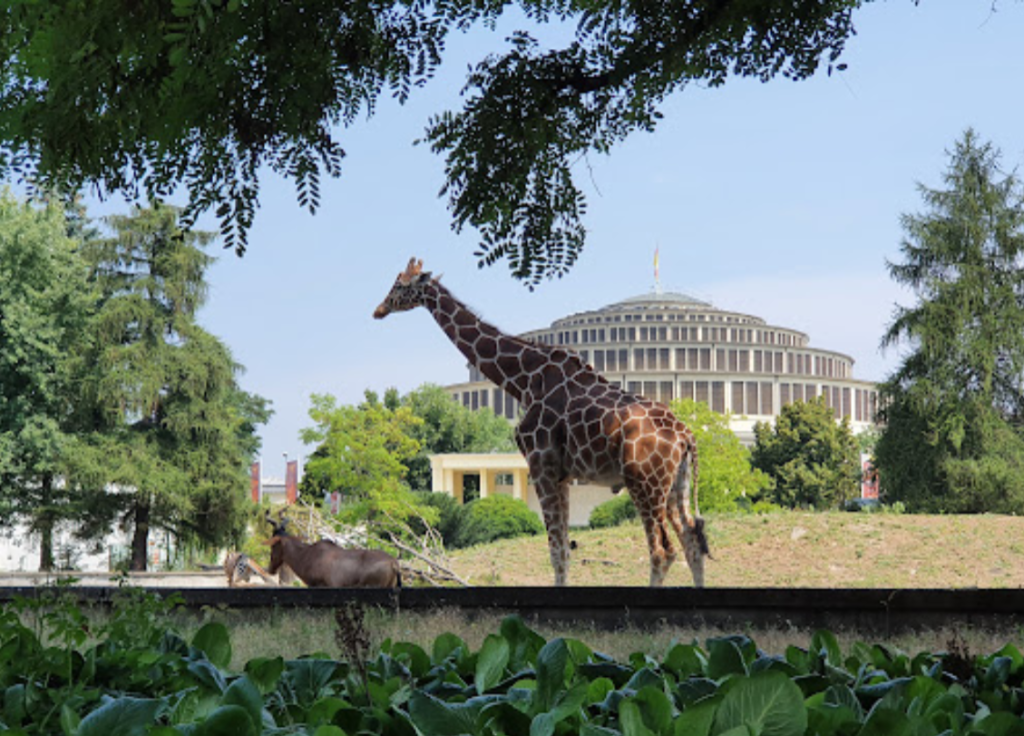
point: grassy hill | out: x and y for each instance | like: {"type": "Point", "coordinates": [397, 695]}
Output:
{"type": "Point", "coordinates": [786, 549]}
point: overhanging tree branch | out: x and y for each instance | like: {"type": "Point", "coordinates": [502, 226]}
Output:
{"type": "Point", "coordinates": [146, 97]}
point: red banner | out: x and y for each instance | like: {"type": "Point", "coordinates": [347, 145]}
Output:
{"type": "Point", "coordinates": [254, 482]}
{"type": "Point", "coordinates": [291, 481]}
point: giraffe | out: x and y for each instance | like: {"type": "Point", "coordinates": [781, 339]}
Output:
{"type": "Point", "coordinates": [577, 425]}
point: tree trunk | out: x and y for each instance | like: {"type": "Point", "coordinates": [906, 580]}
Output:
{"type": "Point", "coordinates": [45, 526]}
{"type": "Point", "coordinates": [140, 539]}
{"type": "Point", "coordinates": [45, 544]}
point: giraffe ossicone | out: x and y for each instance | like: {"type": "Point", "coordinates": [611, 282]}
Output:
{"type": "Point", "coordinates": [577, 426]}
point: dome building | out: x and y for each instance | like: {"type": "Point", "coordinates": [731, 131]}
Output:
{"type": "Point", "coordinates": [666, 345]}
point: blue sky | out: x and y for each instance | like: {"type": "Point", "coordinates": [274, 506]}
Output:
{"type": "Point", "coordinates": [781, 200]}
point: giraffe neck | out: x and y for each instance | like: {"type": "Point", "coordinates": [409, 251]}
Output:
{"type": "Point", "coordinates": [505, 360]}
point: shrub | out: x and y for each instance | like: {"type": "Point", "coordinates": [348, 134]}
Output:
{"type": "Point", "coordinates": [495, 517]}
{"type": "Point", "coordinates": [612, 513]}
{"type": "Point", "coordinates": [449, 515]}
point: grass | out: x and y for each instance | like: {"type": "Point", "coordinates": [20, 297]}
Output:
{"type": "Point", "coordinates": [298, 632]}
{"type": "Point", "coordinates": [785, 549]}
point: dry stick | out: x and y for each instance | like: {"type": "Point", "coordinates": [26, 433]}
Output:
{"type": "Point", "coordinates": [437, 567]}
{"type": "Point", "coordinates": [434, 565]}
{"type": "Point", "coordinates": [439, 573]}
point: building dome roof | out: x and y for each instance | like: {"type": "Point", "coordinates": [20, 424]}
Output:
{"type": "Point", "coordinates": [660, 299]}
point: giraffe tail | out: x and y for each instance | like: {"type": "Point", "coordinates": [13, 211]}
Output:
{"type": "Point", "coordinates": [686, 488]}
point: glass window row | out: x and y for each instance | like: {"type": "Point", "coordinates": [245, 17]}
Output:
{"type": "Point", "coordinates": [740, 398]}
{"type": "Point", "coordinates": [719, 360]}
{"type": "Point", "coordinates": [597, 335]}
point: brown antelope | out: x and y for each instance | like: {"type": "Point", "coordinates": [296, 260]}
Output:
{"type": "Point", "coordinates": [324, 564]}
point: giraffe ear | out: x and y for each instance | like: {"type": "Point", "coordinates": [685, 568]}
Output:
{"type": "Point", "coordinates": [437, 279]}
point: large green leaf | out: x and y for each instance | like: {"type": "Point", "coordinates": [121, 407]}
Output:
{"type": "Point", "coordinates": [685, 660]}
{"type": "Point", "coordinates": [998, 724]}
{"type": "Point", "coordinates": [208, 675]}
{"type": "Point", "coordinates": [308, 679]}
{"type": "Point", "coordinates": [825, 643]}
{"type": "Point", "coordinates": [696, 720]}
{"type": "Point", "coordinates": [329, 731]}
{"type": "Point", "coordinates": [435, 717]}
{"type": "Point", "coordinates": [243, 692]}
{"type": "Point", "coordinates": [655, 709]}
{"type": "Point", "coordinates": [525, 643]}
{"type": "Point", "coordinates": [69, 720]}
{"type": "Point", "coordinates": [265, 672]}
{"type": "Point", "coordinates": [828, 718]}
{"type": "Point", "coordinates": [122, 716]}
{"type": "Point", "coordinates": [491, 662]}
{"type": "Point", "coordinates": [551, 664]}
{"type": "Point", "coordinates": [725, 658]}
{"type": "Point", "coordinates": [413, 656]}
{"type": "Point", "coordinates": [214, 641]}
{"type": "Point", "coordinates": [227, 720]}
{"type": "Point", "coordinates": [14, 703]}
{"type": "Point", "coordinates": [445, 646]}
{"type": "Point", "coordinates": [769, 703]}
{"type": "Point", "coordinates": [631, 720]}
{"type": "Point", "coordinates": [882, 721]}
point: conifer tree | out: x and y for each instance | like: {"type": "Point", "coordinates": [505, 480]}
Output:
{"type": "Point", "coordinates": [171, 429]}
{"type": "Point", "coordinates": [954, 408]}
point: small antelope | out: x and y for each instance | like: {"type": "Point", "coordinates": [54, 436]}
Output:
{"type": "Point", "coordinates": [239, 569]}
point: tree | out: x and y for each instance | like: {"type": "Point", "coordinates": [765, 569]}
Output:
{"type": "Point", "coordinates": [45, 302]}
{"type": "Point", "coordinates": [448, 427]}
{"type": "Point", "coordinates": [206, 93]}
{"type": "Point", "coordinates": [169, 433]}
{"type": "Point", "coordinates": [811, 459]}
{"type": "Point", "coordinates": [361, 453]}
{"type": "Point", "coordinates": [725, 474]}
{"type": "Point", "coordinates": [954, 408]}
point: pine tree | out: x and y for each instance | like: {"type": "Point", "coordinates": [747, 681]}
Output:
{"type": "Point", "coordinates": [169, 446]}
{"type": "Point", "coordinates": [954, 408]}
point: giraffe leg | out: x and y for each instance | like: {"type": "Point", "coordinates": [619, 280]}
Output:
{"type": "Point", "coordinates": [659, 543]}
{"type": "Point", "coordinates": [554, 504]}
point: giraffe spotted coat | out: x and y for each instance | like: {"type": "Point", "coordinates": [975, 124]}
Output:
{"type": "Point", "coordinates": [577, 426]}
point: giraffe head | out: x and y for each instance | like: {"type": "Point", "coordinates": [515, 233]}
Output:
{"type": "Point", "coordinates": [408, 291]}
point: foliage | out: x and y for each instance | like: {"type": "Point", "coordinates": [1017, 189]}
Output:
{"type": "Point", "coordinates": [812, 460]}
{"type": "Point", "coordinates": [618, 510]}
{"type": "Point", "coordinates": [726, 480]}
{"type": "Point", "coordinates": [450, 427]}
{"type": "Point", "coordinates": [163, 420]}
{"type": "Point", "coordinates": [498, 516]}
{"type": "Point", "coordinates": [208, 94]}
{"type": "Point", "coordinates": [45, 303]}
{"type": "Point", "coordinates": [449, 514]}
{"type": "Point", "coordinates": [954, 408]}
{"type": "Point", "coordinates": [361, 452]}
{"type": "Point", "coordinates": [155, 681]}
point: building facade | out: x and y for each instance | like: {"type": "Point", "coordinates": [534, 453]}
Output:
{"type": "Point", "coordinates": [669, 345]}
